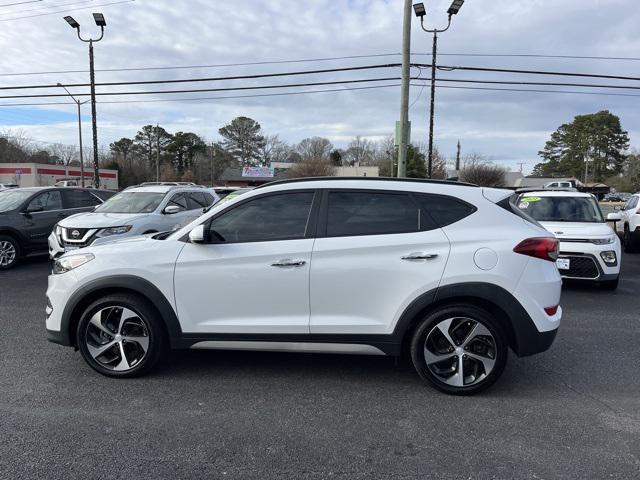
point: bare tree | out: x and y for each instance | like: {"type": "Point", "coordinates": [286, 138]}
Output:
{"type": "Point", "coordinates": [360, 152]}
{"type": "Point", "coordinates": [274, 150]}
{"type": "Point", "coordinates": [314, 148]}
{"type": "Point", "coordinates": [64, 154]}
{"type": "Point", "coordinates": [312, 167]}
{"type": "Point", "coordinates": [479, 170]}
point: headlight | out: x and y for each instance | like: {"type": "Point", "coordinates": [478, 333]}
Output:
{"type": "Point", "coordinates": [107, 232]}
{"type": "Point", "coordinates": [66, 264]}
{"type": "Point", "coordinates": [603, 241]}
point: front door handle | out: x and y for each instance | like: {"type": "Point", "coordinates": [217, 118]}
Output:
{"type": "Point", "coordinates": [420, 256]}
{"type": "Point", "coordinates": [289, 263]}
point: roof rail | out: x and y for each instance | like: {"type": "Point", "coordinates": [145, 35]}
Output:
{"type": "Point", "coordinates": [552, 189]}
{"type": "Point", "coordinates": [376, 179]}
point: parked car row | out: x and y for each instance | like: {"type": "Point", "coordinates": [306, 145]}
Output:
{"type": "Point", "coordinates": [62, 219]}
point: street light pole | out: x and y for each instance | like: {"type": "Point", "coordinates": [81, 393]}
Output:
{"type": "Point", "coordinates": [421, 12]}
{"type": "Point", "coordinates": [78, 103]}
{"type": "Point", "coordinates": [101, 22]}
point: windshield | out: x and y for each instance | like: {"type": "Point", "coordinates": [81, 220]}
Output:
{"type": "Point", "coordinates": [561, 209]}
{"type": "Point", "coordinates": [10, 200]}
{"type": "Point", "coordinates": [132, 202]}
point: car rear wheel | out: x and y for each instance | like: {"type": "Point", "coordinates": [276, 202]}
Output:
{"type": "Point", "coordinates": [459, 349]}
{"type": "Point", "coordinates": [121, 335]}
{"type": "Point", "coordinates": [9, 252]}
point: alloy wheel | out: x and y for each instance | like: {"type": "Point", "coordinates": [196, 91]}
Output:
{"type": "Point", "coordinates": [7, 253]}
{"type": "Point", "coordinates": [117, 338]}
{"type": "Point", "coordinates": [460, 351]}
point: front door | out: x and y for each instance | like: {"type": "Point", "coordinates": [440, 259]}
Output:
{"type": "Point", "coordinates": [252, 274]}
{"type": "Point", "coordinates": [40, 215]}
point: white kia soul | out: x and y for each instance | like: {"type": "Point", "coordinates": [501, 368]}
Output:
{"type": "Point", "coordinates": [589, 248]}
{"type": "Point", "coordinates": [452, 274]}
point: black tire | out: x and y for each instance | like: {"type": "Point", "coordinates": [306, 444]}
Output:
{"type": "Point", "coordinates": [628, 242]}
{"type": "Point", "coordinates": [7, 245]}
{"type": "Point", "coordinates": [146, 321]}
{"type": "Point", "coordinates": [610, 284]}
{"type": "Point", "coordinates": [498, 353]}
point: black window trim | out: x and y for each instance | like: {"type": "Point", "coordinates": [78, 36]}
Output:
{"type": "Point", "coordinates": [312, 219]}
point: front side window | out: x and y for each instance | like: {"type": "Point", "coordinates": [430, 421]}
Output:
{"type": "Point", "coordinates": [179, 200]}
{"type": "Point", "coordinates": [371, 213]}
{"type": "Point", "coordinates": [632, 203]}
{"type": "Point", "coordinates": [274, 217]}
{"type": "Point", "coordinates": [561, 209]}
{"type": "Point", "coordinates": [132, 202]}
{"type": "Point", "coordinates": [46, 202]}
{"type": "Point", "coordinates": [197, 200]}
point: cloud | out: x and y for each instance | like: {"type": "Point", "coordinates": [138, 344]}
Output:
{"type": "Point", "coordinates": [507, 126]}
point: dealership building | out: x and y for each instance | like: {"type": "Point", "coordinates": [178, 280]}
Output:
{"type": "Point", "coordinates": [43, 175]}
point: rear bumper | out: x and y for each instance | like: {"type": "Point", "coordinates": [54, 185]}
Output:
{"type": "Point", "coordinates": [57, 337]}
{"type": "Point", "coordinates": [537, 343]}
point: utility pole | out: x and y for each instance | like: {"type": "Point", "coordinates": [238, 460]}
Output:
{"type": "Point", "coordinates": [157, 152]}
{"type": "Point", "coordinates": [521, 166]}
{"type": "Point", "coordinates": [458, 159]}
{"type": "Point", "coordinates": [100, 22]}
{"type": "Point", "coordinates": [212, 162]}
{"type": "Point", "coordinates": [421, 12]}
{"type": "Point", "coordinates": [404, 96]}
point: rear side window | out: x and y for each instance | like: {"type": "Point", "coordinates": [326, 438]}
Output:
{"type": "Point", "coordinates": [371, 213]}
{"type": "Point", "coordinates": [445, 210]}
{"type": "Point", "coordinates": [79, 199]}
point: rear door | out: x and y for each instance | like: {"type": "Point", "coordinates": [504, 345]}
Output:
{"type": "Point", "coordinates": [376, 251]}
{"type": "Point", "coordinates": [78, 201]}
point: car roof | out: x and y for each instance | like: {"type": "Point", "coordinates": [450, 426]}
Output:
{"type": "Point", "coordinates": [556, 193]}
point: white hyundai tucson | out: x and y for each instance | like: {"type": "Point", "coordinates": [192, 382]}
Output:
{"type": "Point", "coordinates": [589, 248]}
{"type": "Point", "coordinates": [454, 275]}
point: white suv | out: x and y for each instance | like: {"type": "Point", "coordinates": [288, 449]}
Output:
{"type": "Point", "coordinates": [589, 248]}
{"type": "Point", "coordinates": [628, 223]}
{"type": "Point", "coordinates": [135, 211]}
{"type": "Point", "coordinates": [452, 274]}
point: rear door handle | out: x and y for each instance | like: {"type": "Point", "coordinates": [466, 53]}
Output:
{"type": "Point", "coordinates": [289, 263]}
{"type": "Point", "coordinates": [420, 256]}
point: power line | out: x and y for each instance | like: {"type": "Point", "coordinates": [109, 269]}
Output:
{"type": "Point", "coordinates": [44, 7]}
{"type": "Point", "coordinates": [210, 79]}
{"type": "Point", "coordinates": [65, 11]}
{"type": "Point", "coordinates": [540, 91]}
{"type": "Point", "coordinates": [529, 72]}
{"type": "Point", "coordinates": [200, 90]}
{"type": "Point", "coordinates": [19, 3]}
{"type": "Point", "coordinates": [320, 59]}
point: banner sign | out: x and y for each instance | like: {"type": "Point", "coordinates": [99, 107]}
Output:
{"type": "Point", "coordinates": [257, 172]}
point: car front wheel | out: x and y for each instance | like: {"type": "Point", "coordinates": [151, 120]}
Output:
{"type": "Point", "coordinates": [459, 349]}
{"type": "Point", "coordinates": [120, 335]}
{"type": "Point", "coordinates": [9, 252]}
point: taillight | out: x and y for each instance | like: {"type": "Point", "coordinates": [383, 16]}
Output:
{"type": "Point", "coordinates": [551, 311]}
{"type": "Point", "coordinates": [544, 248]}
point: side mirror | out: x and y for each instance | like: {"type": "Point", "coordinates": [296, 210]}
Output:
{"type": "Point", "coordinates": [197, 234]}
{"type": "Point", "coordinates": [614, 217]}
{"type": "Point", "coordinates": [171, 210]}
{"type": "Point", "coordinates": [35, 208]}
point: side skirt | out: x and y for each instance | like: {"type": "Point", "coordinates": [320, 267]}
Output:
{"type": "Point", "coordinates": [305, 347]}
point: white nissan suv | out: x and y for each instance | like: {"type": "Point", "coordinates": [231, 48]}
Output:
{"type": "Point", "coordinates": [452, 274]}
{"type": "Point", "coordinates": [589, 248]}
{"type": "Point", "coordinates": [135, 211]}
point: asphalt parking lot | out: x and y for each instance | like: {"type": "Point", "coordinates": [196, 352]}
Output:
{"type": "Point", "coordinates": [573, 412]}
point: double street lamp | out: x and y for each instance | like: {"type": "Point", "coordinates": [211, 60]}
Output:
{"type": "Point", "coordinates": [421, 12]}
{"type": "Point", "coordinates": [101, 22]}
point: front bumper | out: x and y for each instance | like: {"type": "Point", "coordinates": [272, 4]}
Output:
{"type": "Point", "coordinates": [60, 288]}
{"type": "Point", "coordinates": [55, 249]}
{"type": "Point", "coordinates": [586, 262]}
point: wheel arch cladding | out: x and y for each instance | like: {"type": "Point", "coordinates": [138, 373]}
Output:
{"type": "Point", "coordinates": [521, 333]}
{"type": "Point", "coordinates": [102, 287]}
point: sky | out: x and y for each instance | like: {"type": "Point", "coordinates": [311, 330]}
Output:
{"type": "Point", "coordinates": [509, 127]}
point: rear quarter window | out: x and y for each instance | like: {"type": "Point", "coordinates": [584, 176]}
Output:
{"type": "Point", "coordinates": [445, 210]}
